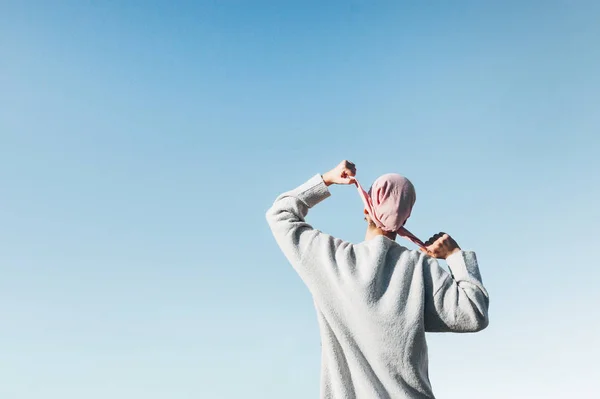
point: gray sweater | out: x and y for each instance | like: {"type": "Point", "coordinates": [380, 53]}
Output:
{"type": "Point", "coordinates": [375, 301]}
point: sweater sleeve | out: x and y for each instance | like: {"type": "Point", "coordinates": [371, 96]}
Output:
{"type": "Point", "coordinates": [456, 301]}
{"type": "Point", "coordinates": [313, 254]}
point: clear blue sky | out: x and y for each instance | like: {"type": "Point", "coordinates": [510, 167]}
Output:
{"type": "Point", "coordinates": [142, 142]}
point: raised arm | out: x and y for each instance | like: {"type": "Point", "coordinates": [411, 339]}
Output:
{"type": "Point", "coordinates": [456, 301]}
{"type": "Point", "coordinates": [312, 253]}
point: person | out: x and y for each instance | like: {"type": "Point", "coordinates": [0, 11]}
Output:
{"type": "Point", "coordinates": [375, 300]}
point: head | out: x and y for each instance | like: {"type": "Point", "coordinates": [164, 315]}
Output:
{"type": "Point", "coordinates": [392, 197]}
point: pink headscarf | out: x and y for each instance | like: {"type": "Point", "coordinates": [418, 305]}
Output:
{"type": "Point", "coordinates": [389, 203]}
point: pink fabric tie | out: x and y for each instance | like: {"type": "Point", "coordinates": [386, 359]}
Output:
{"type": "Point", "coordinates": [389, 203]}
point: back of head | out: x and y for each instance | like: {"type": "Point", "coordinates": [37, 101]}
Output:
{"type": "Point", "coordinates": [393, 197]}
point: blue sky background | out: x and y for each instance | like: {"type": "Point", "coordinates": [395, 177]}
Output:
{"type": "Point", "coordinates": [141, 143]}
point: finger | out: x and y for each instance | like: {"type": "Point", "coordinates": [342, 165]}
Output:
{"type": "Point", "coordinates": [436, 249]}
{"type": "Point", "coordinates": [438, 236]}
{"type": "Point", "coordinates": [436, 243]}
{"type": "Point", "coordinates": [433, 251]}
{"type": "Point", "coordinates": [445, 239]}
{"type": "Point", "coordinates": [432, 239]}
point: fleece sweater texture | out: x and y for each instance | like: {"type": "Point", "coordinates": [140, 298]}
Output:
{"type": "Point", "coordinates": [375, 300]}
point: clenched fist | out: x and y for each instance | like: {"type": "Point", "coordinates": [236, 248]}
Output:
{"type": "Point", "coordinates": [342, 174]}
{"type": "Point", "coordinates": [441, 246]}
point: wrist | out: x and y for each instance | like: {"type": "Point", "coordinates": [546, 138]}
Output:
{"type": "Point", "coordinates": [326, 179]}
